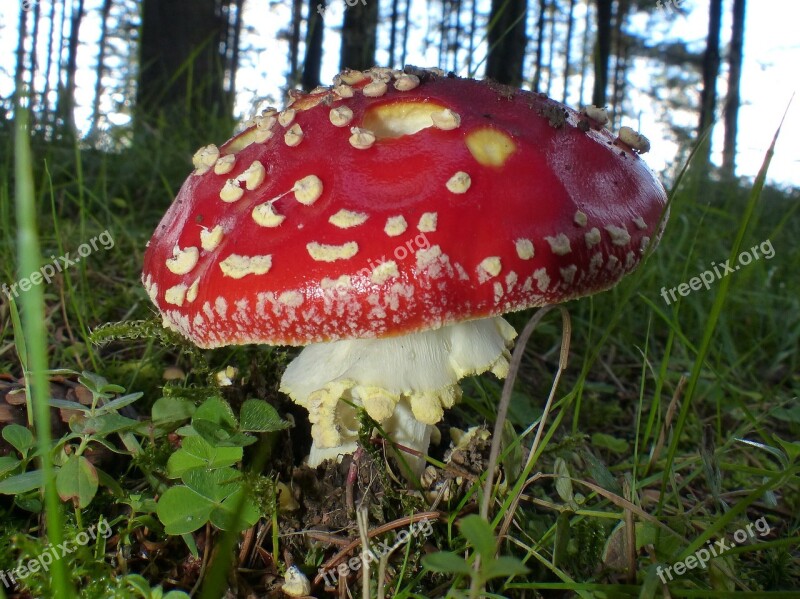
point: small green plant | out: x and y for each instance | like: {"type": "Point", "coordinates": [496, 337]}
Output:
{"type": "Point", "coordinates": [77, 479]}
{"type": "Point", "coordinates": [478, 534]}
{"type": "Point", "coordinates": [212, 491]}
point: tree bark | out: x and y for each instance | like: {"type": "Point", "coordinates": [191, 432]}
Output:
{"type": "Point", "coordinates": [733, 98]}
{"type": "Point", "coordinates": [101, 67]}
{"type": "Point", "coordinates": [393, 32]}
{"type": "Point", "coordinates": [312, 64]}
{"type": "Point", "coordinates": [568, 49]}
{"type": "Point", "coordinates": [602, 52]}
{"type": "Point", "coordinates": [507, 40]}
{"type": "Point", "coordinates": [294, 41]}
{"type": "Point", "coordinates": [67, 100]}
{"type": "Point", "coordinates": [711, 64]}
{"type": "Point", "coordinates": [182, 74]}
{"type": "Point", "coordinates": [537, 62]}
{"type": "Point", "coordinates": [359, 34]}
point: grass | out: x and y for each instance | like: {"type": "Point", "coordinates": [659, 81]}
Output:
{"type": "Point", "coordinates": [670, 426]}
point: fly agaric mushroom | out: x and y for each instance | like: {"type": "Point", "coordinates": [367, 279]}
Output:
{"type": "Point", "coordinates": [386, 224]}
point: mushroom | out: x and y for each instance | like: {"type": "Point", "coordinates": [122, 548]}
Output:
{"type": "Point", "coordinates": [386, 224]}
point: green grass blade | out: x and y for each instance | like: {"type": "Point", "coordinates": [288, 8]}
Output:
{"type": "Point", "coordinates": [33, 320]}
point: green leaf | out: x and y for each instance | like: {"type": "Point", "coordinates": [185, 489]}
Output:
{"type": "Point", "coordinates": [20, 437]}
{"type": "Point", "coordinates": [217, 411]}
{"type": "Point", "coordinates": [103, 425]}
{"type": "Point", "coordinates": [563, 480]}
{"type": "Point", "coordinates": [446, 562]}
{"type": "Point", "coordinates": [8, 463]}
{"type": "Point", "coordinates": [68, 405]}
{"type": "Point", "coordinates": [258, 416]}
{"type": "Point", "coordinates": [215, 485]}
{"type": "Point", "coordinates": [21, 483]}
{"type": "Point", "coordinates": [220, 436]}
{"type": "Point", "coordinates": [611, 443]}
{"type": "Point", "coordinates": [479, 534]}
{"type": "Point", "coordinates": [224, 516]}
{"type": "Point", "coordinates": [196, 452]}
{"type": "Point", "coordinates": [502, 567]}
{"type": "Point", "coordinates": [172, 409]}
{"type": "Point", "coordinates": [77, 480]}
{"type": "Point", "coordinates": [182, 511]}
{"type": "Point", "coordinates": [118, 403]}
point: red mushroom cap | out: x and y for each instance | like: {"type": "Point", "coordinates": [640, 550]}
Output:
{"type": "Point", "coordinates": [393, 203]}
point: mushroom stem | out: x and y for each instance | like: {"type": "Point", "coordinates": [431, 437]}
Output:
{"type": "Point", "coordinates": [403, 382]}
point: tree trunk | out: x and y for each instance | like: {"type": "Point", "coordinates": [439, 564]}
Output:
{"type": "Point", "coordinates": [182, 74]}
{"type": "Point", "coordinates": [48, 114]}
{"type": "Point", "coordinates": [602, 52]}
{"type": "Point", "coordinates": [67, 102]}
{"type": "Point", "coordinates": [19, 74]}
{"type": "Point", "coordinates": [406, 26]}
{"type": "Point", "coordinates": [312, 64]}
{"type": "Point", "coordinates": [554, 8]}
{"type": "Point", "coordinates": [537, 65]}
{"type": "Point", "coordinates": [507, 40]}
{"type": "Point", "coordinates": [733, 98]}
{"type": "Point", "coordinates": [294, 41]}
{"type": "Point", "coordinates": [620, 61]}
{"type": "Point", "coordinates": [568, 49]}
{"type": "Point", "coordinates": [473, 23]}
{"type": "Point", "coordinates": [585, 51]}
{"type": "Point", "coordinates": [393, 32]}
{"type": "Point", "coordinates": [711, 63]}
{"type": "Point", "coordinates": [359, 33]}
{"type": "Point", "coordinates": [101, 67]}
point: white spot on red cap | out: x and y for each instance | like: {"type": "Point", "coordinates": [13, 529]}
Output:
{"type": "Point", "coordinates": [645, 243]}
{"type": "Point", "coordinates": [406, 82]}
{"type": "Point", "coordinates": [307, 190]}
{"type": "Point", "coordinates": [231, 192]}
{"type": "Point", "coordinates": [488, 268]}
{"type": "Point", "coordinates": [459, 183]}
{"type": "Point", "coordinates": [568, 273]}
{"type": "Point", "coordinates": [286, 117]}
{"type": "Point", "coordinates": [542, 279]}
{"type": "Point", "coordinates": [592, 237]}
{"type": "Point", "coordinates": [428, 222]}
{"type": "Point", "coordinates": [524, 248]}
{"type": "Point", "coordinates": [264, 215]}
{"type": "Point", "coordinates": [559, 244]}
{"type": "Point", "coordinates": [221, 306]}
{"type": "Point", "coordinates": [351, 76]}
{"type": "Point", "coordinates": [253, 176]}
{"type": "Point", "coordinates": [329, 253]}
{"type": "Point", "coordinates": [581, 218]}
{"type": "Point", "coordinates": [596, 262]}
{"type": "Point", "coordinates": [176, 295]}
{"type": "Point", "coordinates": [498, 291]}
{"type": "Point", "coordinates": [183, 260]}
{"type": "Point", "coordinates": [446, 120]}
{"type": "Point", "coordinates": [619, 235]}
{"type": "Point", "coordinates": [340, 116]}
{"type": "Point", "coordinates": [191, 293]}
{"type": "Point", "coordinates": [343, 91]}
{"type": "Point", "coordinates": [384, 271]}
{"type": "Point", "coordinates": [640, 224]}
{"type": "Point", "coordinates": [395, 225]}
{"type": "Point", "coordinates": [293, 299]}
{"type": "Point", "coordinates": [237, 266]}
{"type": "Point", "coordinates": [374, 89]}
{"type": "Point", "coordinates": [361, 139]}
{"type": "Point", "coordinates": [209, 240]}
{"type": "Point", "coordinates": [344, 219]}
{"type": "Point", "coordinates": [225, 164]}
{"type": "Point", "coordinates": [205, 158]}
{"type": "Point", "coordinates": [293, 136]}
{"type": "Point", "coordinates": [612, 263]}
{"type": "Point", "coordinates": [511, 280]}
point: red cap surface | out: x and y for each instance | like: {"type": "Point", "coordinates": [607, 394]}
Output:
{"type": "Point", "coordinates": [397, 202]}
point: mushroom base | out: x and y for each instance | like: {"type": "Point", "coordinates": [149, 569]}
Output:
{"type": "Point", "coordinates": [404, 382]}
